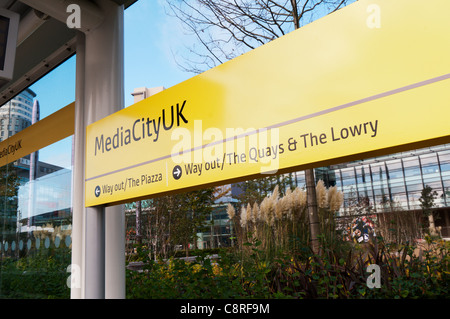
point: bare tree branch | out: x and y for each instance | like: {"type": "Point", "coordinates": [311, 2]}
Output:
{"type": "Point", "coordinates": [228, 28]}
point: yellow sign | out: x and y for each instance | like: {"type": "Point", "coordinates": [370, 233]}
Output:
{"type": "Point", "coordinates": [47, 131]}
{"type": "Point", "coordinates": [370, 79]}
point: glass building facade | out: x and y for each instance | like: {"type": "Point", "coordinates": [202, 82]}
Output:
{"type": "Point", "coordinates": [217, 231]}
{"type": "Point", "coordinates": [35, 201]}
{"type": "Point", "coordinates": [35, 230]}
{"type": "Point", "coordinates": [394, 182]}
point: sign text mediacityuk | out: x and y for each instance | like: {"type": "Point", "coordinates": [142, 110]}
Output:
{"type": "Point", "coordinates": [141, 128]}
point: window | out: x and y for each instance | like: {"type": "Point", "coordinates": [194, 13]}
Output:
{"type": "Point", "coordinates": [412, 171]}
{"type": "Point", "coordinates": [414, 187]}
{"type": "Point", "coordinates": [35, 214]}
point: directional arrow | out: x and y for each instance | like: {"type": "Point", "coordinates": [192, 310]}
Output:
{"type": "Point", "coordinates": [177, 172]}
{"type": "Point", "coordinates": [97, 191]}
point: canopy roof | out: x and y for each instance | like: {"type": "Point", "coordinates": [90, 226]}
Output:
{"type": "Point", "coordinates": [43, 43]}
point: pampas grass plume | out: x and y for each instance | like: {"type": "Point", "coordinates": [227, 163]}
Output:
{"type": "Point", "coordinates": [230, 211]}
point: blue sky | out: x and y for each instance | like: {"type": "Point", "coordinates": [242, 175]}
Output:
{"type": "Point", "coordinates": [151, 39]}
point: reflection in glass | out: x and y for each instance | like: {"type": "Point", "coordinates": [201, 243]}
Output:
{"type": "Point", "coordinates": [35, 208]}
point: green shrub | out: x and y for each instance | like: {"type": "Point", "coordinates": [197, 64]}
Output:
{"type": "Point", "coordinates": [39, 276]}
{"type": "Point", "coordinates": [301, 274]}
{"type": "Point", "coordinates": [203, 278]}
{"type": "Point", "coordinates": [403, 274]}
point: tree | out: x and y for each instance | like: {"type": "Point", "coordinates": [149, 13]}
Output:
{"type": "Point", "coordinates": [427, 203]}
{"type": "Point", "coordinates": [9, 188]}
{"type": "Point", "coordinates": [174, 220]}
{"type": "Point", "coordinates": [225, 29]}
{"type": "Point", "coordinates": [196, 206]}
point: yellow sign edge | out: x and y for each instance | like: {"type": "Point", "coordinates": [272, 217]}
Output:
{"type": "Point", "coordinates": [49, 130]}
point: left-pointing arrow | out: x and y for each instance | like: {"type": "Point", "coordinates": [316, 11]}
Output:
{"type": "Point", "coordinates": [97, 191]}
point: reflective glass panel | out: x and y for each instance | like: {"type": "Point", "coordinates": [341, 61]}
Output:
{"type": "Point", "coordinates": [35, 229]}
{"type": "Point", "coordinates": [36, 195]}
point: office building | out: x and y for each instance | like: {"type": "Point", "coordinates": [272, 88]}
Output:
{"type": "Point", "coordinates": [17, 114]}
{"type": "Point", "coordinates": [394, 182]}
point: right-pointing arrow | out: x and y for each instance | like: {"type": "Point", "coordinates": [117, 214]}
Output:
{"type": "Point", "coordinates": [177, 172]}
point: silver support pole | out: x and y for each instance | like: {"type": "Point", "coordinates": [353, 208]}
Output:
{"type": "Point", "coordinates": [115, 253]}
{"type": "Point", "coordinates": [95, 253]}
{"type": "Point", "coordinates": [78, 210]}
{"type": "Point", "coordinates": [98, 245]}
{"type": "Point", "coordinates": [112, 43]}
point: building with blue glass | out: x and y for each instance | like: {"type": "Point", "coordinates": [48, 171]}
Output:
{"type": "Point", "coordinates": [394, 182]}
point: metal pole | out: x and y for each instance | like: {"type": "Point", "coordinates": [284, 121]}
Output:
{"type": "Point", "coordinates": [109, 44]}
{"type": "Point", "coordinates": [98, 245]}
{"type": "Point", "coordinates": [95, 253]}
{"type": "Point", "coordinates": [312, 210]}
{"type": "Point", "coordinates": [98, 234]}
{"type": "Point", "coordinates": [78, 210]}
